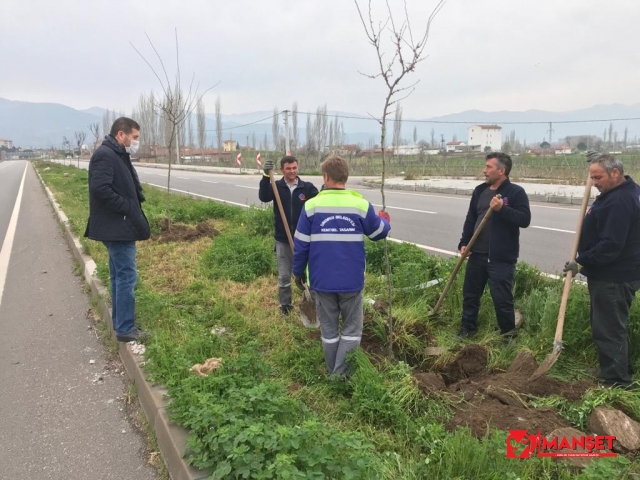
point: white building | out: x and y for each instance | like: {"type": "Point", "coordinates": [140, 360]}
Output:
{"type": "Point", "coordinates": [456, 146]}
{"type": "Point", "coordinates": [406, 150]}
{"type": "Point", "coordinates": [6, 143]}
{"type": "Point", "coordinates": [563, 150]}
{"type": "Point", "coordinates": [483, 136]}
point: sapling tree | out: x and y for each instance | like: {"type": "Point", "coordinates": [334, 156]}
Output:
{"type": "Point", "coordinates": [398, 54]}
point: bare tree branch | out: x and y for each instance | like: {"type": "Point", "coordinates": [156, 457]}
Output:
{"type": "Point", "coordinates": [406, 55]}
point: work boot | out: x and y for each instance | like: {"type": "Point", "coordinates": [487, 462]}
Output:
{"type": "Point", "coordinates": [464, 334]}
{"type": "Point", "coordinates": [286, 309]}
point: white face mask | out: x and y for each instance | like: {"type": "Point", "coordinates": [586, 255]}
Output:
{"type": "Point", "coordinates": [135, 144]}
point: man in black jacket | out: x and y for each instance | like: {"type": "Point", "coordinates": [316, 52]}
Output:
{"type": "Point", "coordinates": [609, 252]}
{"type": "Point", "coordinates": [495, 253]}
{"type": "Point", "coordinates": [293, 193]}
{"type": "Point", "coordinates": [117, 220]}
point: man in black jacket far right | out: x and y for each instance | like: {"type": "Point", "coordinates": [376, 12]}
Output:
{"type": "Point", "coordinates": [609, 255]}
{"type": "Point", "coordinates": [495, 253]}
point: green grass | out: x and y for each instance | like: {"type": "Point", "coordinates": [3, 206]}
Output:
{"type": "Point", "coordinates": [271, 412]}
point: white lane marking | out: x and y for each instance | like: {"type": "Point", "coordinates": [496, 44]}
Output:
{"type": "Point", "coordinates": [407, 209]}
{"type": "Point", "coordinates": [7, 244]}
{"type": "Point", "coordinates": [198, 195]}
{"type": "Point", "coordinates": [183, 178]}
{"type": "Point", "coordinates": [553, 229]}
{"type": "Point", "coordinates": [464, 198]}
{"type": "Point", "coordinates": [557, 208]}
{"type": "Point", "coordinates": [207, 181]}
{"type": "Point", "coordinates": [159, 174]}
{"type": "Point", "coordinates": [243, 186]}
{"type": "Point", "coordinates": [426, 247]}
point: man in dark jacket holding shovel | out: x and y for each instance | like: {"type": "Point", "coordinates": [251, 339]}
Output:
{"type": "Point", "coordinates": [495, 252]}
{"type": "Point", "coordinates": [293, 193]}
{"type": "Point", "coordinates": [609, 253]}
{"type": "Point", "coordinates": [116, 219]}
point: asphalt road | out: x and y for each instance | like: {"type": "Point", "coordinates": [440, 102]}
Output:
{"type": "Point", "coordinates": [432, 221]}
{"type": "Point", "coordinates": [61, 401]}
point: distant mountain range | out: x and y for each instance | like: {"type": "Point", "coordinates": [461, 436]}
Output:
{"type": "Point", "coordinates": [44, 124]}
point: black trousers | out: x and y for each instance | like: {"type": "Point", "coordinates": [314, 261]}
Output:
{"type": "Point", "coordinates": [610, 304]}
{"type": "Point", "coordinates": [500, 277]}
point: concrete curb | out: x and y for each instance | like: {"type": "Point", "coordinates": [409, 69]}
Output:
{"type": "Point", "coordinates": [566, 200]}
{"type": "Point", "coordinates": [171, 438]}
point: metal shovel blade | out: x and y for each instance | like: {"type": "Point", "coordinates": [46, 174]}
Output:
{"type": "Point", "coordinates": [548, 362]}
{"type": "Point", "coordinates": [308, 310]}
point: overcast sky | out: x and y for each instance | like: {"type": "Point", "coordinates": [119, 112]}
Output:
{"type": "Point", "coordinates": [482, 54]}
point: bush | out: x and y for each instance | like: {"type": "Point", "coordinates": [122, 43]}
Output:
{"type": "Point", "coordinates": [245, 425]}
{"type": "Point", "coordinates": [239, 257]}
{"type": "Point", "coordinates": [259, 222]}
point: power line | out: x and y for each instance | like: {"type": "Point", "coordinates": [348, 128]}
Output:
{"type": "Point", "coordinates": [454, 122]}
{"type": "Point", "coordinates": [195, 129]}
{"type": "Point", "coordinates": [441, 122]}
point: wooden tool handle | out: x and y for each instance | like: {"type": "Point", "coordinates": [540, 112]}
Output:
{"type": "Point", "coordinates": [276, 194]}
{"type": "Point", "coordinates": [467, 252]}
{"type": "Point", "coordinates": [574, 252]}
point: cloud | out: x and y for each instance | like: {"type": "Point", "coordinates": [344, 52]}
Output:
{"type": "Point", "coordinates": [492, 55]}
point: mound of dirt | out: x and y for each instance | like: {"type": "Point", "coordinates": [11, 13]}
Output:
{"type": "Point", "coordinates": [502, 399]}
{"type": "Point", "coordinates": [470, 361]}
{"type": "Point", "coordinates": [181, 232]}
{"type": "Point", "coordinates": [429, 382]}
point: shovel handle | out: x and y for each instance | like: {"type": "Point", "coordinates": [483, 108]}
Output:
{"type": "Point", "coordinates": [574, 252]}
{"type": "Point", "coordinates": [463, 256]}
{"type": "Point", "coordinates": [276, 195]}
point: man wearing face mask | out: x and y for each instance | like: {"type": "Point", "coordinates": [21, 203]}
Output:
{"type": "Point", "coordinates": [117, 220]}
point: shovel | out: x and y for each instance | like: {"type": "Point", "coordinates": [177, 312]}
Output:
{"type": "Point", "coordinates": [463, 256]}
{"type": "Point", "coordinates": [307, 305]}
{"type": "Point", "coordinates": [548, 362]}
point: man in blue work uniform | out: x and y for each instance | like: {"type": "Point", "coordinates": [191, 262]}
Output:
{"type": "Point", "coordinates": [330, 239]}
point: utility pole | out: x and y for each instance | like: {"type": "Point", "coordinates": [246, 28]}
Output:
{"type": "Point", "coordinates": [551, 133]}
{"type": "Point", "coordinates": [286, 132]}
{"type": "Point", "coordinates": [442, 141]}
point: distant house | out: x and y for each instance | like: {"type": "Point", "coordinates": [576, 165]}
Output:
{"type": "Point", "coordinates": [432, 151]}
{"type": "Point", "coordinates": [230, 145]}
{"type": "Point", "coordinates": [564, 150]}
{"type": "Point", "coordinates": [407, 150]}
{"type": "Point", "coordinates": [346, 150]}
{"type": "Point", "coordinates": [6, 143]}
{"type": "Point", "coordinates": [456, 146]}
{"type": "Point", "coordinates": [375, 151]}
{"type": "Point", "coordinates": [483, 136]}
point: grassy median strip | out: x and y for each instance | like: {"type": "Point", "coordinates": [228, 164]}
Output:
{"type": "Point", "coordinates": [270, 412]}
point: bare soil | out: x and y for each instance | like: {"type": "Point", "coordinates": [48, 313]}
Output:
{"type": "Point", "coordinates": [498, 399]}
{"type": "Point", "coordinates": [180, 232]}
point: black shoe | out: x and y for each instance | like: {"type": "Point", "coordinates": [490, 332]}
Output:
{"type": "Point", "coordinates": [286, 309]}
{"type": "Point", "coordinates": [633, 387]}
{"type": "Point", "coordinates": [135, 335]}
{"type": "Point", "coordinates": [464, 334]}
{"type": "Point", "coordinates": [508, 337]}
